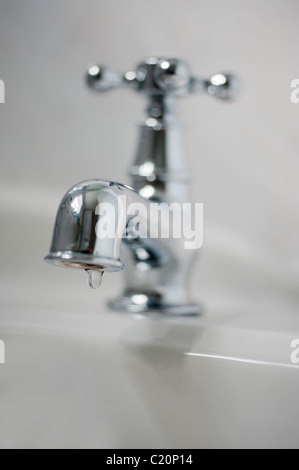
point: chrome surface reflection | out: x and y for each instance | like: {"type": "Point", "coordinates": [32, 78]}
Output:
{"type": "Point", "coordinates": [157, 270]}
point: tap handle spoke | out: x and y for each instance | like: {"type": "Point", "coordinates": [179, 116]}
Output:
{"type": "Point", "coordinates": [100, 78]}
{"type": "Point", "coordinates": [220, 85]}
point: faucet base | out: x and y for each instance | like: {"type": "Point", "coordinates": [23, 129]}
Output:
{"type": "Point", "coordinates": [141, 303]}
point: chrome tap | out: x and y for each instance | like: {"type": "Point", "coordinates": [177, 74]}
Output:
{"type": "Point", "coordinates": [157, 268]}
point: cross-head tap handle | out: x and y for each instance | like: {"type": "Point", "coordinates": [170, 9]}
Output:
{"type": "Point", "coordinates": [161, 76]}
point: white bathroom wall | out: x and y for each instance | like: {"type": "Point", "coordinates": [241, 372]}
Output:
{"type": "Point", "coordinates": [244, 155]}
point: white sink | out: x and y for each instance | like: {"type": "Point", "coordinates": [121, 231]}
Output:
{"type": "Point", "coordinates": [121, 381]}
{"type": "Point", "coordinates": [77, 375]}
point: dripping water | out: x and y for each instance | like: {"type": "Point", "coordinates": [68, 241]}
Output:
{"type": "Point", "coordinates": [94, 278]}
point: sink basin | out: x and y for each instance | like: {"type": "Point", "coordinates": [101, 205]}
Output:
{"type": "Point", "coordinates": [120, 381]}
{"type": "Point", "coordinates": [79, 376]}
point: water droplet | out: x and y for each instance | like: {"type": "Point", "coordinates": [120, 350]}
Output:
{"type": "Point", "coordinates": [94, 278]}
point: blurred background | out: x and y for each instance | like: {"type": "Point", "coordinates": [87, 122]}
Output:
{"type": "Point", "coordinates": [243, 155]}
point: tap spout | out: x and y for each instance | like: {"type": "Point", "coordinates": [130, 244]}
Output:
{"type": "Point", "coordinates": [88, 207]}
{"type": "Point", "coordinates": [102, 225]}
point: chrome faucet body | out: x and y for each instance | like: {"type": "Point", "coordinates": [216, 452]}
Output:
{"type": "Point", "coordinates": [157, 269]}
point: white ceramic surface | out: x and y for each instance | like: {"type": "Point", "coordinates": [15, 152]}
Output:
{"type": "Point", "coordinates": [113, 381]}
{"type": "Point", "coordinates": [77, 375]}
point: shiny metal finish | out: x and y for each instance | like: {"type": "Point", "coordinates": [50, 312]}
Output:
{"type": "Point", "coordinates": [74, 243]}
{"type": "Point", "coordinates": [161, 76]}
{"type": "Point", "coordinates": [223, 86]}
{"type": "Point", "coordinates": [102, 79]}
{"type": "Point", "coordinates": [157, 271]}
